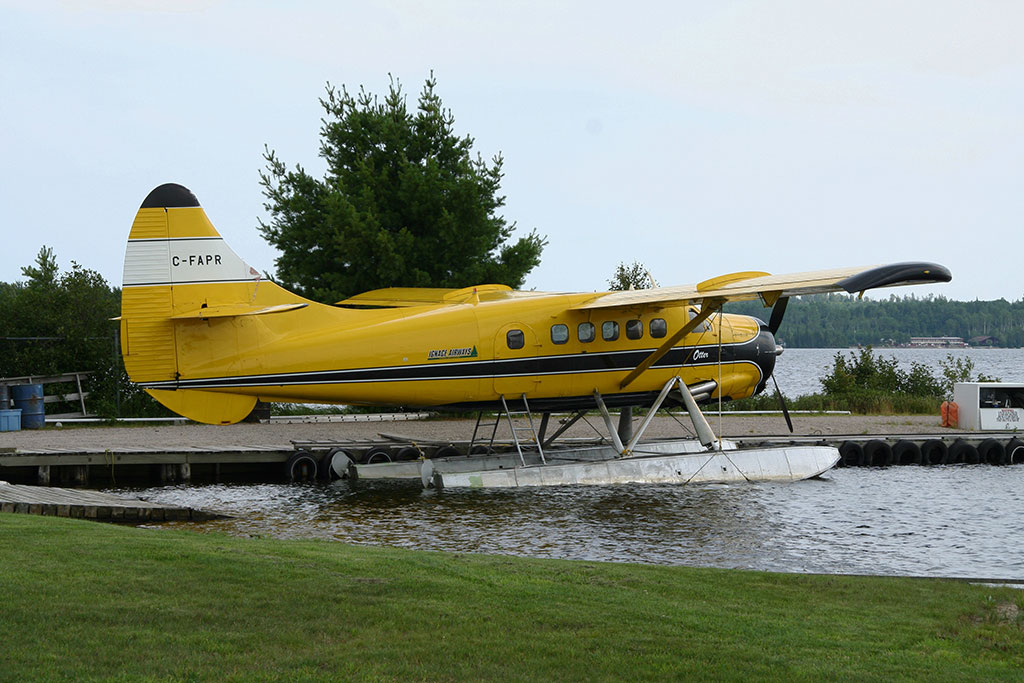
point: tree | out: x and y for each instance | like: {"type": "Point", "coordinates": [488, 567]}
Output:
{"type": "Point", "coordinates": [44, 273]}
{"type": "Point", "coordinates": [633, 276]}
{"type": "Point", "coordinates": [403, 203]}
{"type": "Point", "coordinates": [56, 322]}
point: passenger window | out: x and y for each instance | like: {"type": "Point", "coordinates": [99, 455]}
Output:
{"type": "Point", "coordinates": [585, 332]}
{"type": "Point", "coordinates": [658, 328]}
{"type": "Point", "coordinates": [559, 334]}
{"type": "Point", "coordinates": [634, 329]}
{"type": "Point", "coordinates": [609, 330]}
{"type": "Point", "coordinates": [516, 339]}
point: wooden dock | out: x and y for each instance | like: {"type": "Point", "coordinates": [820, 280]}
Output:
{"type": "Point", "coordinates": [306, 460]}
{"type": "Point", "coordinates": [84, 504]}
{"type": "Point", "coordinates": [89, 466]}
{"type": "Point", "coordinates": [142, 455]}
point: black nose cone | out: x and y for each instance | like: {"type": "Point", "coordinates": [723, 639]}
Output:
{"type": "Point", "coordinates": [767, 352]}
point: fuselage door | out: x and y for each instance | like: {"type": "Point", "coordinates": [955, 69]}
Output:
{"type": "Point", "coordinates": [516, 352]}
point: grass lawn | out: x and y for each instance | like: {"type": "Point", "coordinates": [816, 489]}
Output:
{"type": "Point", "coordinates": [87, 600]}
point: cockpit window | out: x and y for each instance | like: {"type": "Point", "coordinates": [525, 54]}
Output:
{"type": "Point", "coordinates": [706, 325]}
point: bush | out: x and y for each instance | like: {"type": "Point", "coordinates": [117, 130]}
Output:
{"type": "Point", "coordinates": [868, 384]}
{"type": "Point", "coordinates": [864, 372]}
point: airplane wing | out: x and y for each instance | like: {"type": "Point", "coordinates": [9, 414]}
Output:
{"type": "Point", "coordinates": [770, 288]}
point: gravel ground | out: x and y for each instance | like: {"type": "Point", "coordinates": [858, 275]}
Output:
{"type": "Point", "coordinates": [276, 433]}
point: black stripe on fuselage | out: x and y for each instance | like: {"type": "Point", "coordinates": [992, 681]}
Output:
{"type": "Point", "coordinates": [580, 363]}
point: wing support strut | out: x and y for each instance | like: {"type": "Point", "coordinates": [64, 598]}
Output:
{"type": "Point", "coordinates": [704, 433]}
{"type": "Point", "coordinates": [707, 309]}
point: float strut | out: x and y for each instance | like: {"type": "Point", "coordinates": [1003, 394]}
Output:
{"type": "Point", "coordinates": [608, 423]}
{"type": "Point", "coordinates": [700, 423]}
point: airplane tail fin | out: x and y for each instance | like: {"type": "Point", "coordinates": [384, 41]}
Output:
{"type": "Point", "coordinates": [183, 293]}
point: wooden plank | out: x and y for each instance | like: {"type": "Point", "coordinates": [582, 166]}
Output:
{"type": "Point", "coordinates": [145, 456]}
{"type": "Point", "coordinates": [88, 504]}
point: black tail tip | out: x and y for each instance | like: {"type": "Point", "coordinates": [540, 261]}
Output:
{"type": "Point", "coordinates": [170, 195]}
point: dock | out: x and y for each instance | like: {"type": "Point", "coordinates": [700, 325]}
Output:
{"type": "Point", "coordinates": [114, 457]}
{"type": "Point", "coordinates": [86, 504]}
{"type": "Point", "coordinates": [114, 466]}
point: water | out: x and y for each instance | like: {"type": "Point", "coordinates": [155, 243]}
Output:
{"type": "Point", "coordinates": [962, 520]}
{"type": "Point", "coordinates": [799, 371]}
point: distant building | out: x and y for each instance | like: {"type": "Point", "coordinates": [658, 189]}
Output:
{"type": "Point", "coordinates": [937, 342]}
{"type": "Point", "coordinates": [984, 340]}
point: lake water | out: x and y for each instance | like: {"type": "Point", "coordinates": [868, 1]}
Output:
{"type": "Point", "coordinates": [958, 520]}
{"type": "Point", "coordinates": [799, 371]}
{"type": "Point", "coordinates": [955, 520]}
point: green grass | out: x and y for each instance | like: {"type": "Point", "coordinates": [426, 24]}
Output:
{"type": "Point", "coordinates": [82, 600]}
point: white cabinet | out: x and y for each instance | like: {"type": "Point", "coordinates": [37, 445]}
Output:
{"type": "Point", "coordinates": [990, 405]}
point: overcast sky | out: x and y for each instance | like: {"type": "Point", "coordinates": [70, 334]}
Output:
{"type": "Point", "coordinates": [699, 138]}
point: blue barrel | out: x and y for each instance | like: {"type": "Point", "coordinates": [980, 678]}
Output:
{"type": "Point", "coordinates": [29, 397]}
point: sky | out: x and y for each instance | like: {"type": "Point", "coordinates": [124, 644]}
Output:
{"type": "Point", "coordinates": [698, 138]}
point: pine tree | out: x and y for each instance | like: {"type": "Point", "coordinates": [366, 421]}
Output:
{"type": "Point", "coordinates": [633, 276]}
{"type": "Point", "coordinates": [403, 203]}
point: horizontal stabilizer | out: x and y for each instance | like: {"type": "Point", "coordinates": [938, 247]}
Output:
{"type": "Point", "coordinates": [397, 297]}
{"type": "Point", "coordinates": [403, 297]}
{"type": "Point", "coordinates": [232, 310]}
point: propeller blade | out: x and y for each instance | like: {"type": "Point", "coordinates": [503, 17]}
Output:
{"type": "Point", "coordinates": [782, 403]}
{"type": "Point", "coordinates": [778, 311]}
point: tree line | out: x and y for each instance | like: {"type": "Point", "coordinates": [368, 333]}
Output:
{"type": "Point", "coordinates": [840, 320]}
{"type": "Point", "coordinates": [55, 322]}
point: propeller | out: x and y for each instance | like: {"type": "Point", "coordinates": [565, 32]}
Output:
{"type": "Point", "coordinates": [782, 404]}
{"type": "Point", "coordinates": [778, 311]}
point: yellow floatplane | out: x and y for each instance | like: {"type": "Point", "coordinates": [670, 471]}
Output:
{"type": "Point", "coordinates": [206, 335]}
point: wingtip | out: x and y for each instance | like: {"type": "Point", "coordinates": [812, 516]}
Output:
{"type": "Point", "coordinates": [896, 274]}
{"type": "Point", "coordinates": [170, 196]}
